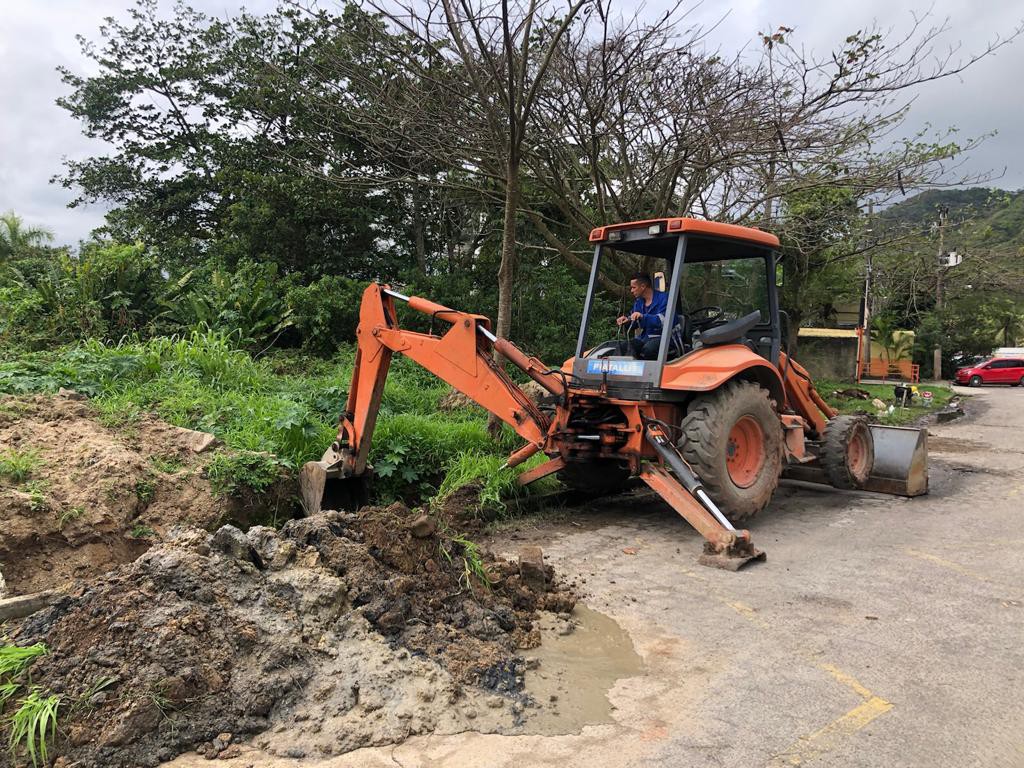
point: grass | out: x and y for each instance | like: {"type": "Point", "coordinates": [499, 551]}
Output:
{"type": "Point", "coordinates": [498, 487]}
{"type": "Point", "coordinates": [167, 464]}
{"type": "Point", "coordinates": [145, 489]}
{"type": "Point", "coordinates": [884, 392]}
{"type": "Point", "coordinates": [17, 466]}
{"type": "Point", "coordinates": [141, 531]}
{"type": "Point", "coordinates": [273, 414]}
{"type": "Point", "coordinates": [15, 659]}
{"type": "Point", "coordinates": [34, 725]}
{"type": "Point", "coordinates": [37, 501]}
{"type": "Point", "coordinates": [69, 515]}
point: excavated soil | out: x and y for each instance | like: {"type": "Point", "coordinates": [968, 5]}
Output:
{"type": "Point", "coordinates": [339, 631]}
{"type": "Point", "coordinates": [96, 496]}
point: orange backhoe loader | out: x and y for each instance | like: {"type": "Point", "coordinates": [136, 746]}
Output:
{"type": "Point", "coordinates": [711, 423]}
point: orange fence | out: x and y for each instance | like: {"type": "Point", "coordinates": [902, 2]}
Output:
{"type": "Point", "coordinates": [895, 369]}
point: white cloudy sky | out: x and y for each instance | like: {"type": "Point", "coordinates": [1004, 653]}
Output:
{"type": "Point", "coordinates": [39, 35]}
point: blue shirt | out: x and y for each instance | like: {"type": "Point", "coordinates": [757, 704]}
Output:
{"type": "Point", "coordinates": [652, 315]}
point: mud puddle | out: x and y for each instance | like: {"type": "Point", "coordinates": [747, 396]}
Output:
{"type": "Point", "coordinates": [575, 671]}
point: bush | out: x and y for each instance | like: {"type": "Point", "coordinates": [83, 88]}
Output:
{"type": "Point", "coordinates": [247, 303]}
{"type": "Point", "coordinates": [110, 290]}
{"type": "Point", "coordinates": [326, 312]}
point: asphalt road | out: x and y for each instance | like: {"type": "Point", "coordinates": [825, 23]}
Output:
{"type": "Point", "coordinates": [880, 631]}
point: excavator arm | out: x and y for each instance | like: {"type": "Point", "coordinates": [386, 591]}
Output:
{"type": "Point", "coordinates": [462, 356]}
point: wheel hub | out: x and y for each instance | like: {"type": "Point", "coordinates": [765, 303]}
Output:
{"type": "Point", "coordinates": [745, 452]}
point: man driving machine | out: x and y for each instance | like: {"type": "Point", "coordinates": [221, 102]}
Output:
{"type": "Point", "coordinates": [648, 314]}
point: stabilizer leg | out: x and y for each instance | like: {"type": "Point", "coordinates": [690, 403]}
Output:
{"type": "Point", "coordinates": [725, 547]}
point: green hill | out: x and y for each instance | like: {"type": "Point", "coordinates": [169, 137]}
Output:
{"type": "Point", "coordinates": [979, 217]}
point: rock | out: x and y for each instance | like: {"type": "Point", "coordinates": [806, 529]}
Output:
{"type": "Point", "coordinates": [234, 750]}
{"type": "Point", "coordinates": [3, 586]}
{"type": "Point", "coordinates": [531, 568]}
{"type": "Point", "coordinates": [270, 549]}
{"type": "Point", "coordinates": [232, 542]}
{"type": "Point", "coordinates": [559, 602]}
{"type": "Point", "coordinates": [196, 442]}
{"type": "Point", "coordinates": [142, 717]}
{"type": "Point", "coordinates": [878, 404]}
{"type": "Point", "coordinates": [70, 394]}
{"type": "Point", "coordinates": [532, 662]}
{"type": "Point", "coordinates": [495, 702]}
{"type": "Point", "coordinates": [423, 527]}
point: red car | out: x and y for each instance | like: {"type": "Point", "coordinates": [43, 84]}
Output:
{"type": "Point", "coordinates": [998, 370]}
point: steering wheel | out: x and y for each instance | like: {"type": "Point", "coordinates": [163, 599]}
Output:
{"type": "Point", "coordinates": [702, 317]}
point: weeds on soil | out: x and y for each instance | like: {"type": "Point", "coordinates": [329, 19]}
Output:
{"type": "Point", "coordinates": [273, 414]}
{"type": "Point", "coordinates": [69, 515]}
{"type": "Point", "coordinates": [33, 725]}
{"type": "Point", "coordinates": [17, 466]}
{"type": "Point", "coordinates": [15, 659]}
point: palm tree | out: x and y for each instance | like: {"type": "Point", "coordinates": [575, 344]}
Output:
{"type": "Point", "coordinates": [16, 239]}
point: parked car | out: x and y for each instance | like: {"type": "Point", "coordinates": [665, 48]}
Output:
{"type": "Point", "coordinates": [998, 370]}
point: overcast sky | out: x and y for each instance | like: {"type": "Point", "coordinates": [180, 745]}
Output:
{"type": "Point", "coordinates": [37, 36]}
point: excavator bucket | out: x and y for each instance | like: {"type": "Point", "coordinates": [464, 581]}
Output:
{"type": "Point", "coordinates": [322, 488]}
{"type": "Point", "coordinates": [901, 461]}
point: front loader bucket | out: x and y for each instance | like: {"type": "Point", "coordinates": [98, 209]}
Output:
{"type": "Point", "coordinates": [901, 461]}
{"type": "Point", "coordinates": [322, 489]}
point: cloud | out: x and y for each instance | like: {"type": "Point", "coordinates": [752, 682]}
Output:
{"type": "Point", "coordinates": [35, 134]}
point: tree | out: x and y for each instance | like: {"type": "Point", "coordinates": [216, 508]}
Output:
{"type": "Point", "coordinates": [18, 241]}
{"type": "Point", "coordinates": [207, 148]}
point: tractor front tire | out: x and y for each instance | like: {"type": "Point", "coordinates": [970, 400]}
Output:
{"type": "Point", "coordinates": [732, 438]}
{"type": "Point", "coordinates": [847, 452]}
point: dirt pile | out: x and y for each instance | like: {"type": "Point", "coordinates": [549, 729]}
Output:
{"type": "Point", "coordinates": [340, 631]}
{"type": "Point", "coordinates": [89, 496]}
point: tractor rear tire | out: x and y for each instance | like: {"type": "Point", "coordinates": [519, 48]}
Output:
{"type": "Point", "coordinates": [595, 478]}
{"type": "Point", "coordinates": [847, 452]}
{"type": "Point", "coordinates": [732, 438]}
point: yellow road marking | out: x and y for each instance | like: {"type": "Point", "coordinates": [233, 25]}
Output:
{"type": "Point", "coordinates": [748, 613]}
{"type": "Point", "coordinates": [947, 564]}
{"type": "Point", "coordinates": [827, 738]}
{"type": "Point", "coordinates": [848, 680]}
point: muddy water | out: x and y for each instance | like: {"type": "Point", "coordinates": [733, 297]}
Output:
{"type": "Point", "coordinates": [575, 672]}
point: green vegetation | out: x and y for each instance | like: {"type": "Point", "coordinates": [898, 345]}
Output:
{"type": "Point", "coordinates": [69, 515]}
{"type": "Point", "coordinates": [140, 531]}
{"type": "Point", "coordinates": [17, 466]}
{"type": "Point", "coordinates": [37, 501]}
{"type": "Point", "coordinates": [884, 392]}
{"type": "Point", "coordinates": [16, 659]}
{"type": "Point", "coordinates": [168, 464]}
{"type": "Point", "coordinates": [498, 486]}
{"type": "Point", "coordinates": [145, 489]}
{"type": "Point", "coordinates": [274, 413]}
{"type": "Point", "coordinates": [34, 725]}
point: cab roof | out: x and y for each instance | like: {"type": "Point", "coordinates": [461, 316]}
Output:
{"type": "Point", "coordinates": [639, 231]}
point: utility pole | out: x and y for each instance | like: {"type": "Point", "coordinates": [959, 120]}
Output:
{"type": "Point", "coordinates": [864, 360]}
{"type": "Point", "coordinates": [937, 359]}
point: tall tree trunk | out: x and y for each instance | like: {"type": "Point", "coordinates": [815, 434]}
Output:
{"type": "Point", "coordinates": [507, 268]}
{"type": "Point", "coordinates": [418, 228]}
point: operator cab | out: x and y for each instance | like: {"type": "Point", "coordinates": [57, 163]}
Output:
{"type": "Point", "coordinates": [720, 280]}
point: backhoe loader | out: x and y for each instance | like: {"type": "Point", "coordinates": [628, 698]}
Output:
{"type": "Point", "coordinates": [711, 424]}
